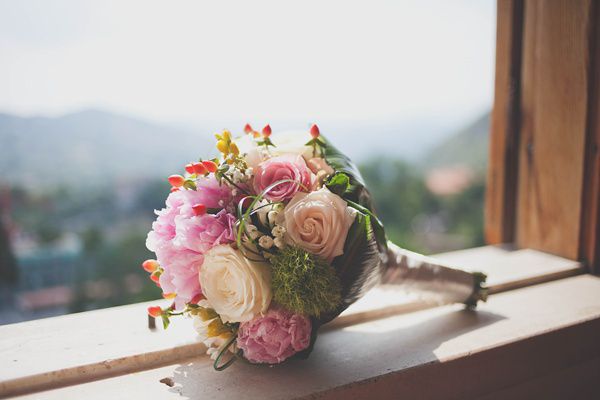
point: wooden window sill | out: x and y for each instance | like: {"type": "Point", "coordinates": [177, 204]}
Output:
{"type": "Point", "coordinates": [530, 340]}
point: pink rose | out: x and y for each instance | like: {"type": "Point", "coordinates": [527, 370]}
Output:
{"type": "Point", "coordinates": [288, 166]}
{"type": "Point", "coordinates": [273, 337]}
{"type": "Point", "coordinates": [318, 222]}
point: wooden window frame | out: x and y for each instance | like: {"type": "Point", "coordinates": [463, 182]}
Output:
{"type": "Point", "coordinates": [111, 353]}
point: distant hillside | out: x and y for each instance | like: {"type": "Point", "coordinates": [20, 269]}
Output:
{"type": "Point", "coordinates": [469, 147]}
{"type": "Point", "coordinates": [92, 147]}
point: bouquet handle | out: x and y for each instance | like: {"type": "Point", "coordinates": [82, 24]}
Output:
{"type": "Point", "coordinates": [433, 279]}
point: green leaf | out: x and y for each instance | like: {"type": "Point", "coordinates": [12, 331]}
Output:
{"type": "Point", "coordinates": [166, 321]}
{"type": "Point", "coordinates": [338, 183]}
{"type": "Point", "coordinates": [189, 184]}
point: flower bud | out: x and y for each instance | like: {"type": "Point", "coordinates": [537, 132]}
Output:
{"type": "Point", "coordinates": [222, 146]}
{"type": "Point", "coordinates": [155, 277]}
{"type": "Point", "coordinates": [199, 209]}
{"type": "Point", "coordinates": [155, 311]}
{"type": "Point", "coordinates": [314, 131]}
{"type": "Point", "coordinates": [226, 135]}
{"type": "Point", "coordinates": [247, 129]}
{"type": "Point", "coordinates": [169, 295]}
{"type": "Point", "coordinates": [266, 132]}
{"type": "Point", "coordinates": [176, 180]}
{"type": "Point", "coordinates": [150, 265]}
{"type": "Point", "coordinates": [189, 168]}
{"type": "Point", "coordinates": [199, 168]}
{"type": "Point", "coordinates": [234, 149]}
{"type": "Point", "coordinates": [210, 166]}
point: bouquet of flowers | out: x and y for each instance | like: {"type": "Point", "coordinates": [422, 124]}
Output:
{"type": "Point", "coordinates": [274, 238]}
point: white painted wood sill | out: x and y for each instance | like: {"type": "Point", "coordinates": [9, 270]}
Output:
{"type": "Point", "coordinates": [540, 341]}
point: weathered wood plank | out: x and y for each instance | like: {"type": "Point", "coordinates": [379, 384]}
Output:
{"type": "Point", "coordinates": [99, 344]}
{"type": "Point", "coordinates": [555, 83]}
{"type": "Point", "coordinates": [501, 185]}
{"type": "Point", "coordinates": [590, 215]}
{"type": "Point", "coordinates": [466, 354]}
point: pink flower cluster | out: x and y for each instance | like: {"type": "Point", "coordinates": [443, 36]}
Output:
{"type": "Point", "coordinates": [180, 238]}
{"type": "Point", "coordinates": [273, 337]}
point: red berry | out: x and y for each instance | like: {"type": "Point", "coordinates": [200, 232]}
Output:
{"type": "Point", "coordinates": [189, 168]}
{"type": "Point", "coordinates": [266, 132]}
{"type": "Point", "coordinates": [247, 128]}
{"type": "Point", "coordinates": [150, 265]}
{"type": "Point", "coordinates": [174, 189]}
{"type": "Point", "coordinates": [199, 209]}
{"type": "Point", "coordinates": [196, 299]}
{"type": "Point", "coordinates": [210, 166]}
{"type": "Point", "coordinates": [176, 180]}
{"type": "Point", "coordinates": [155, 311]}
{"type": "Point", "coordinates": [314, 131]}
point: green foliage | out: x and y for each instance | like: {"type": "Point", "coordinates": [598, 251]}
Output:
{"type": "Point", "coordinates": [338, 183]}
{"type": "Point", "coordinates": [304, 283]}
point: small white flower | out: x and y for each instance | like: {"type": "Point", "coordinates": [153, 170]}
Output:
{"type": "Point", "coordinates": [266, 242]}
{"type": "Point", "coordinates": [252, 231]}
{"type": "Point", "coordinates": [221, 203]}
{"type": "Point", "coordinates": [278, 231]}
{"type": "Point", "coordinates": [272, 217]}
{"type": "Point", "coordinates": [234, 192]}
{"type": "Point", "coordinates": [238, 175]}
{"type": "Point", "coordinates": [249, 172]}
{"type": "Point", "coordinates": [279, 242]}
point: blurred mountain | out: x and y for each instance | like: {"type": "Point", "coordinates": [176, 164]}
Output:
{"type": "Point", "coordinates": [92, 148]}
{"type": "Point", "coordinates": [467, 147]}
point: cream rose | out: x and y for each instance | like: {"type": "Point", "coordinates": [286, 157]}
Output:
{"type": "Point", "coordinates": [318, 222]}
{"type": "Point", "coordinates": [237, 288]}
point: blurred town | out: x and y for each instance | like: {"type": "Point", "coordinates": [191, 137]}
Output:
{"type": "Point", "coordinates": [75, 208]}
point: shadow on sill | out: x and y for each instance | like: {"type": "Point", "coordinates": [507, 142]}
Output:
{"type": "Point", "coordinates": [340, 358]}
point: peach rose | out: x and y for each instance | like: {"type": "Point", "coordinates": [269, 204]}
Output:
{"type": "Point", "coordinates": [318, 222]}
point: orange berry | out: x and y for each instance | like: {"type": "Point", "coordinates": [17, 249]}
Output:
{"type": "Point", "coordinates": [199, 209]}
{"type": "Point", "coordinates": [174, 189]}
{"type": "Point", "coordinates": [150, 265]}
{"type": "Point", "coordinates": [199, 168]}
{"type": "Point", "coordinates": [247, 129]}
{"type": "Point", "coordinates": [155, 277]}
{"type": "Point", "coordinates": [155, 311]}
{"type": "Point", "coordinates": [210, 166]}
{"type": "Point", "coordinates": [176, 180]}
{"type": "Point", "coordinates": [266, 132]}
{"type": "Point", "coordinates": [314, 131]}
{"type": "Point", "coordinates": [189, 168]}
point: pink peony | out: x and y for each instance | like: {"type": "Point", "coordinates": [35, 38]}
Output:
{"type": "Point", "coordinates": [273, 337]}
{"type": "Point", "coordinates": [288, 166]}
{"type": "Point", "coordinates": [180, 238]}
{"type": "Point", "coordinates": [201, 233]}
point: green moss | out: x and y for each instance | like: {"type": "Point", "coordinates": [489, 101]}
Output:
{"type": "Point", "coordinates": [303, 283]}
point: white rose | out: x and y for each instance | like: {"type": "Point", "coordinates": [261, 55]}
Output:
{"type": "Point", "coordinates": [237, 288]}
{"type": "Point", "coordinates": [285, 143]}
{"type": "Point", "coordinates": [318, 222]}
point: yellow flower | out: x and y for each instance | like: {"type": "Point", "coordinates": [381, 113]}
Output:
{"type": "Point", "coordinates": [223, 147]}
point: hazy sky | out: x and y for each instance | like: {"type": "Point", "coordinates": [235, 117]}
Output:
{"type": "Point", "coordinates": [307, 60]}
